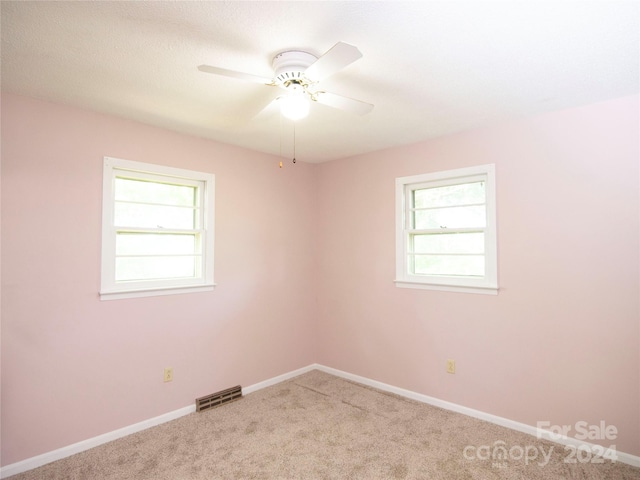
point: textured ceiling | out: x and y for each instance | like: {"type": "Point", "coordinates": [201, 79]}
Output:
{"type": "Point", "coordinates": [430, 68]}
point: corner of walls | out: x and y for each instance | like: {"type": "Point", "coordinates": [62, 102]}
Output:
{"type": "Point", "coordinates": [318, 286]}
{"type": "Point", "coordinates": [110, 355]}
{"type": "Point", "coordinates": [563, 330]}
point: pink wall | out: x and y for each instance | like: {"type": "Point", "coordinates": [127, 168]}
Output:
{"type": "Point", "coordinates": [73, 366]}
{"type": "Point", "coordinates": [305, 267]}
{"type": "Point", "coordinates": [561, 340]}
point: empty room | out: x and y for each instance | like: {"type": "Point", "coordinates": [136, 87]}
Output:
{"type": "Point", "coordinates": [320, 240]}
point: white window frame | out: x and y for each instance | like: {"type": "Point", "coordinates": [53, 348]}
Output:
{"type": "Point", "coordinates": [110, 289]}
{"type": "Point", "coordinates": [487, 284]}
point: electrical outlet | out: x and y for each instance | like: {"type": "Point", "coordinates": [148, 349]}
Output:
{"type": "Point", "coordinates": [451, 366]}
{"type": "Point", "coordinates": [168, 374]}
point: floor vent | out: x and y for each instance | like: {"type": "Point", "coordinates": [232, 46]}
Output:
{"type": "Point", "coordinates": [216, 399]}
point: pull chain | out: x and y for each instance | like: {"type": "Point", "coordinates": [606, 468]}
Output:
{"type": "Point", "coordinates": [280, 139]}
{"type": "Point", "coordinates": [294, 142]}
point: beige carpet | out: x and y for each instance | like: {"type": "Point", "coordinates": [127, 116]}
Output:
{"type": "Point", "coordinates": [317, 426]}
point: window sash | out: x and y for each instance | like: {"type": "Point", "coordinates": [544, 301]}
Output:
{"type": "Point", "coordinates": [197, 220]}
{"type": "Point", "coordinates": [157, 183]}
{"type": "Point", "coordinates": [113, 281]}
{"type": "Point", "coordinates": [196, 253]}
{"type": "Point", "coordinates": [157, 179]}
{"type": "Point", "coordinates": [410, 221]}
{"type": "Point", "coordinates": [407, 254]}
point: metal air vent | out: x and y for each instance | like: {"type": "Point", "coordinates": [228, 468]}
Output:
{"type": "Point", "coordinates": [218, 398]}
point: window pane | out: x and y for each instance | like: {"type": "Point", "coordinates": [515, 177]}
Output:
{"type": "Point", "coordinates": [154, 268]}
{"type": "Point", "coordinates": [449, 243]}
{"type": "Point", "coordinates": [453, 217]}
{"type": "Point", "coordinates": [468, 265]}
{"type": "Point", "coordinates": [463, 194]}
{"type": "Point", "coordinates": [154, 244]}
{"type": "Point", "coordinates": [153, 216]}
{"type": "Point", "coordinates": [152, 192]}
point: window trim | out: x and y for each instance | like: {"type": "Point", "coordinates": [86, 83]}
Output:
{"type": "Point", "coordinates": [488, 284]}
{"type": "Point", "coordinates": [109, 288]}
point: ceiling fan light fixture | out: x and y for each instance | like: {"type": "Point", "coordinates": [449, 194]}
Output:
{"type": "Point", "coordinates": [295, 104]}
{"type": "Point", "coordinates": [298, 73]}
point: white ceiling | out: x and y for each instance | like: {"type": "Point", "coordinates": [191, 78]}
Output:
{"type": "Point", "coordinates": [431, 68]}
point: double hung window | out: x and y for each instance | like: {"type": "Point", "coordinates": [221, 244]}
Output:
{"type": "Point", "coordinates": [157, 230]}
{"type": "Point", "coordinates": [446, 230]}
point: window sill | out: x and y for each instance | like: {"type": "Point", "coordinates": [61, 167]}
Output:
{"type": "Point", "coordinates": [447, 288]}
{"type": "Point", "coordinates": [153, 292]}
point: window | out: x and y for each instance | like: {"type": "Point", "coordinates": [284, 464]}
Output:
{"type": "Point", "coordinates": [157, 230]}
{"type": "Point", "coordinates": [446, 231]}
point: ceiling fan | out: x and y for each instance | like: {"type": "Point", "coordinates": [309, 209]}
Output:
{"type": "Point", "coordinates": [298, 73]}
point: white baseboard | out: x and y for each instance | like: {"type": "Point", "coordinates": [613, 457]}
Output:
{"type": "Point", "coordinates": [504, 422]}
{"type": "Point", "coordinates": [60, 453]}
{"type": "Point", "coordinates": [278, 379]}
{"type": "Point", "coordinates": [39, 460]}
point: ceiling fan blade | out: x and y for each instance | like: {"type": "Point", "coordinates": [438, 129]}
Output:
{"type": "Point", "coordinates": [338, 57]}
{"type": "Point", "coordinates": [241, 113]}
{"type": "Point", "coordinates": [233, 74]}
{"type": "Point", "coordinates": [343, 103]}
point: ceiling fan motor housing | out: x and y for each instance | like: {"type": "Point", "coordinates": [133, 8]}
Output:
{"type": "Point", "coordinates": [289, 67]}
